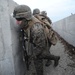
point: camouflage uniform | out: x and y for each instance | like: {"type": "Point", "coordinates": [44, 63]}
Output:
{"type": "Point", "coordinates": [37, 38]}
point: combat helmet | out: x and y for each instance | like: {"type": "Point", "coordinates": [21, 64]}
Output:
{"type": "Point", "coordinates": [44, 13]}
{"type": "Point", "coordinates": [22, 11]}
{"type": "Point", "coordinates": [36, 11]}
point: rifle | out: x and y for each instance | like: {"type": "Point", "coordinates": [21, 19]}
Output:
{"type": "Point", "coordinates": [26, 56]}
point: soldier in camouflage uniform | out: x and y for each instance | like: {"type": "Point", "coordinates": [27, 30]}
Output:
{"type": "Point", "coordinates": [35, 34]}
{"type": "Point", "coordinates": [36, 11]}
{"type": "Point", "coordinates": [44, 13]}
{"type": "Point", "coordinates": [50, 33]}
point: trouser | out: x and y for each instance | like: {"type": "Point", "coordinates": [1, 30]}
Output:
{"type": "Point", "coordinates": [38, 66]}
{"type": "Point", "coordinates": [48, 56]}
{"type": "Point", "coordinates": [38, 62]}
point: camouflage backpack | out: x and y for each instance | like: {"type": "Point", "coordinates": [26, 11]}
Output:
{"type": "Point", "coordinates": [49, 33]}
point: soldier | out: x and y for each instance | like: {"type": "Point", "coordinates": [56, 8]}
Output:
{"type": "Point", "coordinates": [35, 34]}
{"type": "Point", "coordinates": [44, 13]}
{"type": "Point", "coordinates": [36, 11]}
{"type": "Point", "coordinates": [50, 33]}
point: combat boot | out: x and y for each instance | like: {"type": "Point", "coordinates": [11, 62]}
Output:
{"type": "Point", "coordinates": [56, 61]}
{"type": "Point", "coordinates": [48, 63]}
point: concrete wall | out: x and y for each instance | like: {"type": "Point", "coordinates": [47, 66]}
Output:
{"type": "Point", "coordinates": [19, 65]}
{"type": "Point", "coordinates": [11, 62]}
{"type": "Point", "coordinates": [66, 29]}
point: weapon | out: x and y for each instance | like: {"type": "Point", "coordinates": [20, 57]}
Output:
{"type": "Point", "coordinates": [25, 55]}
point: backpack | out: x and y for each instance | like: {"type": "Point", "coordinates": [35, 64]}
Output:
{"type": "Point", "coordinates": [49, 33]}
{"type": "Point", "coordinates": [44, 19]}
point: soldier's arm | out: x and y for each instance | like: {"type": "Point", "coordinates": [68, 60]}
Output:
{"type": "Point", "coordinates": [38, 38]}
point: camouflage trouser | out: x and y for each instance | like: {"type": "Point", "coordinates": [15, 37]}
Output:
{"type": "Point", "coordinates": [39, 66]}
{"type": "Point", "coordinates": [38, 62]}
{"type": "Point", "coordinates": [48, 56]}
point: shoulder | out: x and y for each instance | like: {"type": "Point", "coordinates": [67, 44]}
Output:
{"type": "Point", "coordinates": [37, 27]}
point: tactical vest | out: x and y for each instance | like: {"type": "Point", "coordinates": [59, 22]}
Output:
{"type": "Point", "coordinates": [49, 33]}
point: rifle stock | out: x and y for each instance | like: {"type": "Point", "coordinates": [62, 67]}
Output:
{"type": "Point", "coordinates": [26, 59]}
{"type": "Point", "coordinates": [26, 56]}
